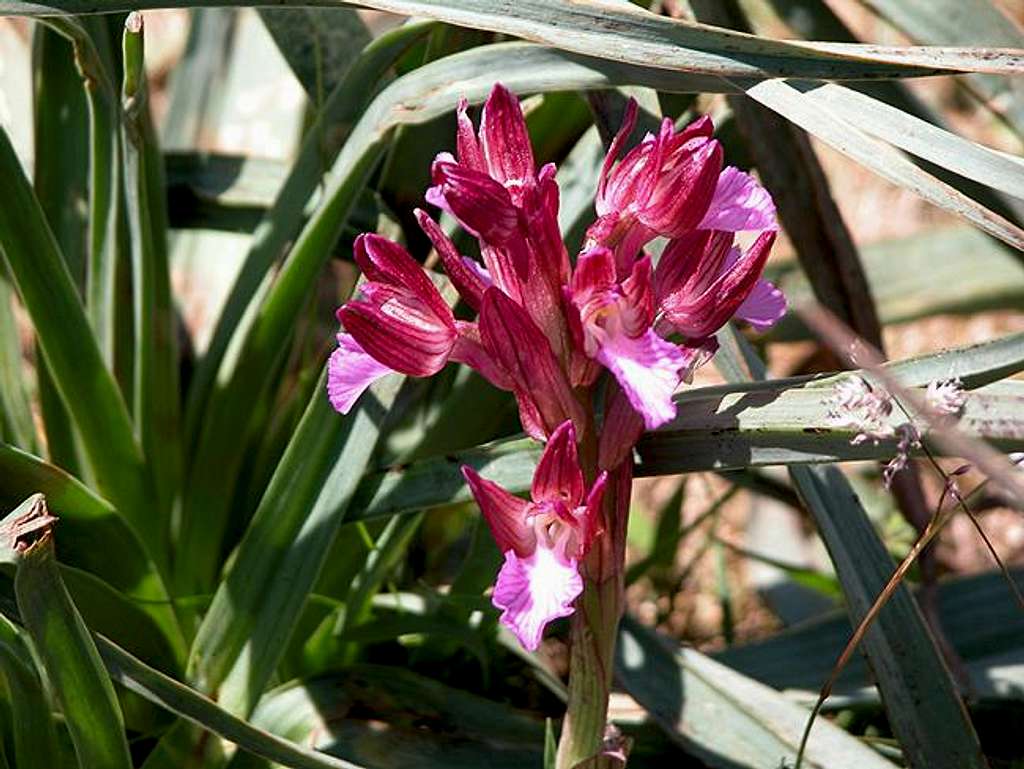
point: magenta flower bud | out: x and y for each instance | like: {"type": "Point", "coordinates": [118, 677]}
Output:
{"type": "Point", "coordinates": [505, 141]}
{"type": "Point", "coordinates": [703, 279]}
{"type": "Point", "coordinates": [401, 323]}
{"type": "Point", "coordinates": [522, 351]}
{"type": "Point", "coordinates": [544, 539]}
{"type": "Point", "coordinates": [663, 186]}
{"type": "Point", "coordinates": [469, 279]}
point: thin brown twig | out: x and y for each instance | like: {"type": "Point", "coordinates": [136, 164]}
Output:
{"type": "Point", "coordinates": [935, 525]}
{"type": "Point", "coordinates": [994, 464]}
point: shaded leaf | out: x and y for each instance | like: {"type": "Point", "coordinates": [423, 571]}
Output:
{"type": "Point", "coordinates": [723, 717]}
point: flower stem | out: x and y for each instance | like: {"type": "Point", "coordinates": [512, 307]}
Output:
{"type": "Point", "coordinates": [592, 637]}
{"type": "Point", "coordinates": [593, 630]}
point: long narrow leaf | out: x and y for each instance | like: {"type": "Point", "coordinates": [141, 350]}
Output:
{"type": "Point", "coordinates": [63, 643]}
{"type": "Point", "coordinates": [35, 738]}
{"type": "Point", "coordinates": [105, 198]}
{"type": "Point", "coordinates": [921, 700]}
{"type": "Point", "coordinates": [156, 350]}
{"type": "Point", "coordinates": [94, 537]}
{"type": "Point", "coordinates": [254, 611]}
{"type": "Point", "coordinates": [16, 425]}
{"type": "Point", "coordinates": [624, 32]}
{"type": "Point", "coordinates": [719, 428]}
{"type": "Point", "coordinates": [725, 718]}
{"type": "Point", "coordinates": [70, 349]}
{"type": "Point", "coordinates": [189, 704]}
{"type": "Point", "coordinates": [943, 148]}
{"type": "Point", "coordinates": [284, 217]}
{"type": "Point", "coordinates": [880, 157]}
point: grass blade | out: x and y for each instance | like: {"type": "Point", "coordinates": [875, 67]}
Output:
{"type": "Point", "coordinates": [328, 644]}
{"type": "Point", "coordinates": [104, 183]}
{"type": "Point", "coordinates": [71, 352]}
{"type": "Point", "coordinates": [63, 643]}
{"type": "Point", "coordinates": [94, 537]}
{"type": "Point", "coordinates": [61, 174]}
{"type": "Point", "coordinates": [718, 428]}
{"type": "Point", "coordinates": [433, 725]}
{"type": "Point", "coordinates": [284, 218]}
{"type": "Point", "coordinates": [938, 146]}
{"type": "Point", "coordinates": [156, 349]}
{"type": "Point", "coordinates": [923, 704]}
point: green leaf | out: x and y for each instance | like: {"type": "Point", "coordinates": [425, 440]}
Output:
{"type": "Point", "coordinates": [835, 129]}
{"type": "Point", "coordinates": [550, 744]}
{"type": "Point", "coordinates": [32, 724]}
{"type": "Point", "coordinates": [69, 348]}
{"type": "Point", "coordinates": [979, 617]}
{"type": "Point", "coordinates": [189, 704]}
{"type": "Point", "coordinates": [156, 350]}
{"type": "Point", "coordinates": [105, 217]}
{"type": "Point", "coordinates": [224, 389]}
{"type": "Point", "coordinates": [627, 33]}
{"type": "Point", "coordinates": [428, 724]}
{"type": "Point", "coordinates": [922, 702]}
{"type": "Point", "coordinates": [724, 718]}
{"type": "Point", "coordinates": [254, 611]}
{"type": "Point", "coordinates": [920, 138]}
{"type": "Point", "coordinates": [16, 425]}
{"type": "Point", "coordinates": [727, 427]}
{"type": "Point", "coordinates": [67, 651]}
{"type": "Point", "coordinates": [319, 44]}
{"type": "Point", "coordinates": [61, 174]}
{"type": "Point", "coordinates": [328, 644]}
{"type": "Point", "coordinates": [60, 180]}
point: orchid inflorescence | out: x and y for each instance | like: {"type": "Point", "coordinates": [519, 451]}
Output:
{"type": "Point", "coordinates": [547, 327]}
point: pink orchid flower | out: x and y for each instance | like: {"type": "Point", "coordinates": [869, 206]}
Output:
{"type": "Point", "coordinates": [496, 193]}
{"type": "Point", "coordinates": [399, 323]}
{"type": "Point", "coordinates": [546, 329]}
{"type": "Point", "coordinates": [663, 186]}
{"type": "Point", "coordinates": [544, 539]}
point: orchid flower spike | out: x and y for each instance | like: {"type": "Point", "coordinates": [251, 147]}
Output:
{"type": "Point", "coordinates": [543, 539]}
